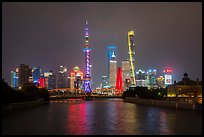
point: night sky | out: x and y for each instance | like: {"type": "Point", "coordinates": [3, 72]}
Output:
{"type": "Point", "coordinates": [53, 34]}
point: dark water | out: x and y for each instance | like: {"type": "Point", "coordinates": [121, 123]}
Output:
{"type": "Point", "coordinates": [102, 117]}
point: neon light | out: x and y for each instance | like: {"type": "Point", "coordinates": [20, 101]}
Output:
{"type": "Point", "coordinates": [86, 49]}
{"type": "Point", "coordinates": [167, 71]}
{"type": "Point", "coordinates": [131, 60]}
{"type": "Point", "coordinates": [41, 82]}
{"type": "Point", "coordinates": [119, 80]}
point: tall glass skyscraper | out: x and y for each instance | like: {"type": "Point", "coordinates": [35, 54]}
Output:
{"type": "Point", "coordinates": [126, 73]}
{"type": "Point", "coordinates": [62, 75]}
{"type": "Point", "coordinates": [14, 78]}
{"type": "Point", "coordinates": [113, 70]}
{"type": "Point", "coordinates": [131, 49]}
{"type": "Point", "coordinates": [36, 71]}
{"type": "Point", "coordinates": [111, 49]}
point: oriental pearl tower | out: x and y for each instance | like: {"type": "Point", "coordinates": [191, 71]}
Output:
{"type": "Point", "coordinates": [87, 50]}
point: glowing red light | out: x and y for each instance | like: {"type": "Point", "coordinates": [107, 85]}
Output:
{"type": "Point", "coordinates": [167, 71]}
{"type": "Point", "coordinates": [41, 82]}
{"type": "Point", "coordinates": [119, 79]}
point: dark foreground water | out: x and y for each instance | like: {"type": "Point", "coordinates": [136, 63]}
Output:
{"type": "Point", "coordinates": [102, 117]}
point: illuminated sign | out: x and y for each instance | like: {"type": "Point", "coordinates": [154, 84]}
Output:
{"type": "Point", "coordinates": [168, 79]}
{"type": "Point", "coordinates": [167, 71]}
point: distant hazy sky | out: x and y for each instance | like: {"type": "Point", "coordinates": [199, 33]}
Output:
{"type": "Point", "coordinates": [48, 35]}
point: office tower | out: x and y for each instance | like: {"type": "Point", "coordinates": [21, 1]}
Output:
{"type": "Point", "coordinates": [104, 82]}
{"type": "Point", "coordinates": [119, 83]}
{"type": "Point", "coordinates": [76, 78]}
{"type": "Point", "coordinates": [141, 80]}
{"type": "Point", "coordinates": [131, 49]}
{"type": "Point", "coordinates": [14, 78]}
{"type": "Point", "coordinates": [125, 73]}
{"type": "Point", "coordinates": [49, 79]}
{"type": "Point", "coordinates": [113, 70]}
{"type": "Point", "coordinates": [72, 79]}
{"type": "Point", "coordinates": [62, 75]}
{"type": "Point", "coordinates": [151, 77]}
{"type": "Point", "coordinates": [24, 74]}
{"type": "Point", "coordinates": [87, 50]}
{"type": "Point", "coordinates": [111, 49]}
{"type": "Point", "coordinates": [36, 71]}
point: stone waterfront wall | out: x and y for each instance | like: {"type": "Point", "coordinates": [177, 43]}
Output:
{"type": "Point", "coordinates": [13, 107]}
{"type": "Point", "coordinates": [162, 103]}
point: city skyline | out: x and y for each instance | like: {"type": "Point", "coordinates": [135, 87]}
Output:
{"type": "Point", "coordinates": [167, 35]}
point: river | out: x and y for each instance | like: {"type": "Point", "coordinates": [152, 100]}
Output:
{"type": "Point", "coordinates": [107, 116]}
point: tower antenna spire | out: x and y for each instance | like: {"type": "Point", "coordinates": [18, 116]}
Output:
{"type": "Point", "coordinates": [87, 33]}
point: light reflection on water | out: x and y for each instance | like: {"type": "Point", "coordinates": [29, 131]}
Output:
{"type": "Point", "coordinates": [102, 117]}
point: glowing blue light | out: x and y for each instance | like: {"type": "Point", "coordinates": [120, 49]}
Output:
{"type": "Point", "coordinates": [86, 87]}
{"type": "Point", "coordinates": [35, 81]}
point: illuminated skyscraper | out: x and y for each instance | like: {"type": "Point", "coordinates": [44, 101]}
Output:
{"type": "Point", "coordinates": [87, 50]}
{"type": "Point", "coordinates": [104, 83]}
{"type": "Point", "coordinates": [62, 75]}
{"type": "Point", "coordinates": [76, 78]}
{"type": "Point", "coordinates": [111, 50]}
{"type": "Point", "coordinates": [119, 83]}
{"type": "Point", "coordinates": [151, 77]}
{"type": "Point", "coordinates": [36, 74]}
{"type": "Point", "coordinates": [113, 70]}
{"type": "Point", "coordinates": [125, 73]}
{"type": "Point", "coordinates": [49, 80]}
{"type": "Point", "coordinates": [131, 48]}
{"type": "Point", "coordinates": [14, 78]}
{"type": "Point", "coordinates": [141, 78]}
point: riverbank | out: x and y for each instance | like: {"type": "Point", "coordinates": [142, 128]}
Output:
{"type": "Point", "coordinates": [15, 107]}
{"type": "Point", "coordinates": [81, 97]}
{"type": "Point", "coordinates": [163, 103]}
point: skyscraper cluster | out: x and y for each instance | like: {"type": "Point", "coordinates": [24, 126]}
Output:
{"type": "Point", "coordinates": [130, 76]}
{"type": "Point", "coordinates": [119, 78]}
{"type": "Point", "coordinates": [24, 74]}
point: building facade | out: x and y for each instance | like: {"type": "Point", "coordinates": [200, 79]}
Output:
{"type": "Point", "coordinates": [186, 90]}
{"type": "Point", "coordinates": [104, 82]}
{"type": "Point", "coordinates": [113, 70]}
{"type": "Point", "coordinates": [141, 80]}
{"type": "Point", "coordinates": [151, 77]}
{"type": "Point", "coordinates": [125, 73]}
{"type": "Point", "coordinates": [76, 78]}
{"type": "Point", "coordinates": [36, 71]}
{"type": "Point", "coordinates": [49, 80]}
{"type": "Point", "coordinates": [131, 49]}
{"type": "Point", "coordinates": [24, 74]}
{"type": "Point", "coordinates": [110, 50]}
{"type": "Point", "coordinates": [62, 75]}
{"type": "Point", "coordinates": [14, 78]}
